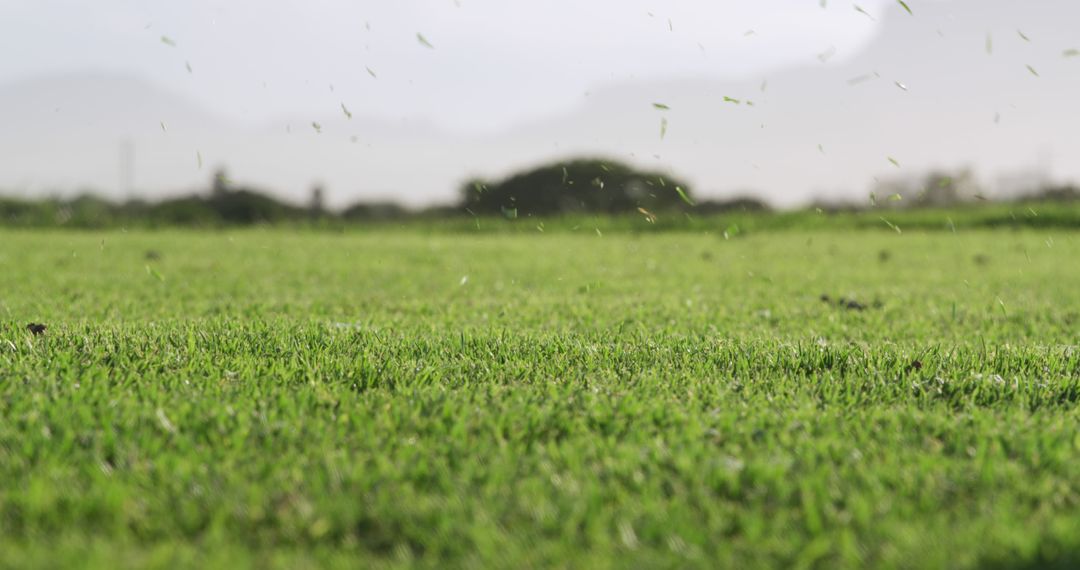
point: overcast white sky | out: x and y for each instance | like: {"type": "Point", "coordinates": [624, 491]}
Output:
{"type": "Point", "coordinates": [494, 62]}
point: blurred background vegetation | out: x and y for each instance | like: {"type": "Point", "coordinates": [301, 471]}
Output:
{"type": "Point", "coordinates": [593, 193]}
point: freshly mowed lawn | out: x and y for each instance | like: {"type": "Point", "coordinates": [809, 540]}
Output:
{"type": "Point", "coordinates": [441, 399]}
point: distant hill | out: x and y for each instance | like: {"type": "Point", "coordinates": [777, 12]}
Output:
{"type": "Point", "coordinates": [97, 106]}
{"type": "Point", "coordinates": [68, 134]}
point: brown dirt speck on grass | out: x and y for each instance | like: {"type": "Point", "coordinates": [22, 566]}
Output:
{"type": "Point", "coordinates": [849, 304]}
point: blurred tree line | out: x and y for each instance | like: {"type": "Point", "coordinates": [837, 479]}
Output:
{"type": "Point", "coordinates": [943, 189]}
{"type": "Point", "coordinates": [225, 204]}
{"type": "Point", "coordinates": [575, 187]}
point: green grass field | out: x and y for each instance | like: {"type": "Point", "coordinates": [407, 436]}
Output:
{"type": "Point", "coordinates": [559, 399]}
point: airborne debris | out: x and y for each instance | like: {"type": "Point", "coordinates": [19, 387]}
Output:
{"type": "Point", "coordinates": [860, 10]}
{"type": "Point", "coordinates": [164, 421]}
{"type": "Point", "coordinates": [423, 41]}
{"type": "Point", "coordinates": [317, 127]}
{"type": "Point", "coordinates": [682, 194]}
{"type": "Point", "coordinates": [649, 216]}
{"type": "Point", "coordinates": [1070, 53]}
{"type": "Point", "coordinates": [663, 127]}
{"type": "Point", "coordinates": [904, 6]}
{"type": "Point", "coordinates": [168, 41]}
{"type": "Point", "coordinates": [661, 106]}
{"type": "Point", "coordinates": [1032, 70]}
{"type": "Point", "coordinates": [894, 227]}
{"type": "Point", "coordinates": [863, 78]}
{"type": "Point", "coordinates": [188, 66]}
{"type": "Point", "coordinates": [345, 110]}
{"type": "Point", "coordinates": [1022, 36]}
{"type": "Point", "coordinates": [371, 72]}
{"type": "Point", "coordinates": [894, 162]}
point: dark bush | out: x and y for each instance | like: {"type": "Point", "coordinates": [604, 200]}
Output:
{"type": "Point", "coordinates": [1066, 193]}
{"type": "Point", "coordinates": [183, 211]}
{"type": "Point", "coordinates": [588, 185]}
{"type": "Point", "coordinates": [741, 204]}
{"type": "Point", "coordinates": [370, 211]}
{"type": "Point", "coordinates": [250, 207]}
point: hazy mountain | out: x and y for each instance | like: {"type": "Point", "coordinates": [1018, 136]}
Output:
{"type": "Point", "coordinates": [71, 132]}
{"type": "Point", "coordinates": [106, 133]}
{"type": "Point", "coordinates": [979, 83]}
{"type": "Point", "coordinates": [100, 105]}
{"type": "Point", "coordinates": [928, 93]}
